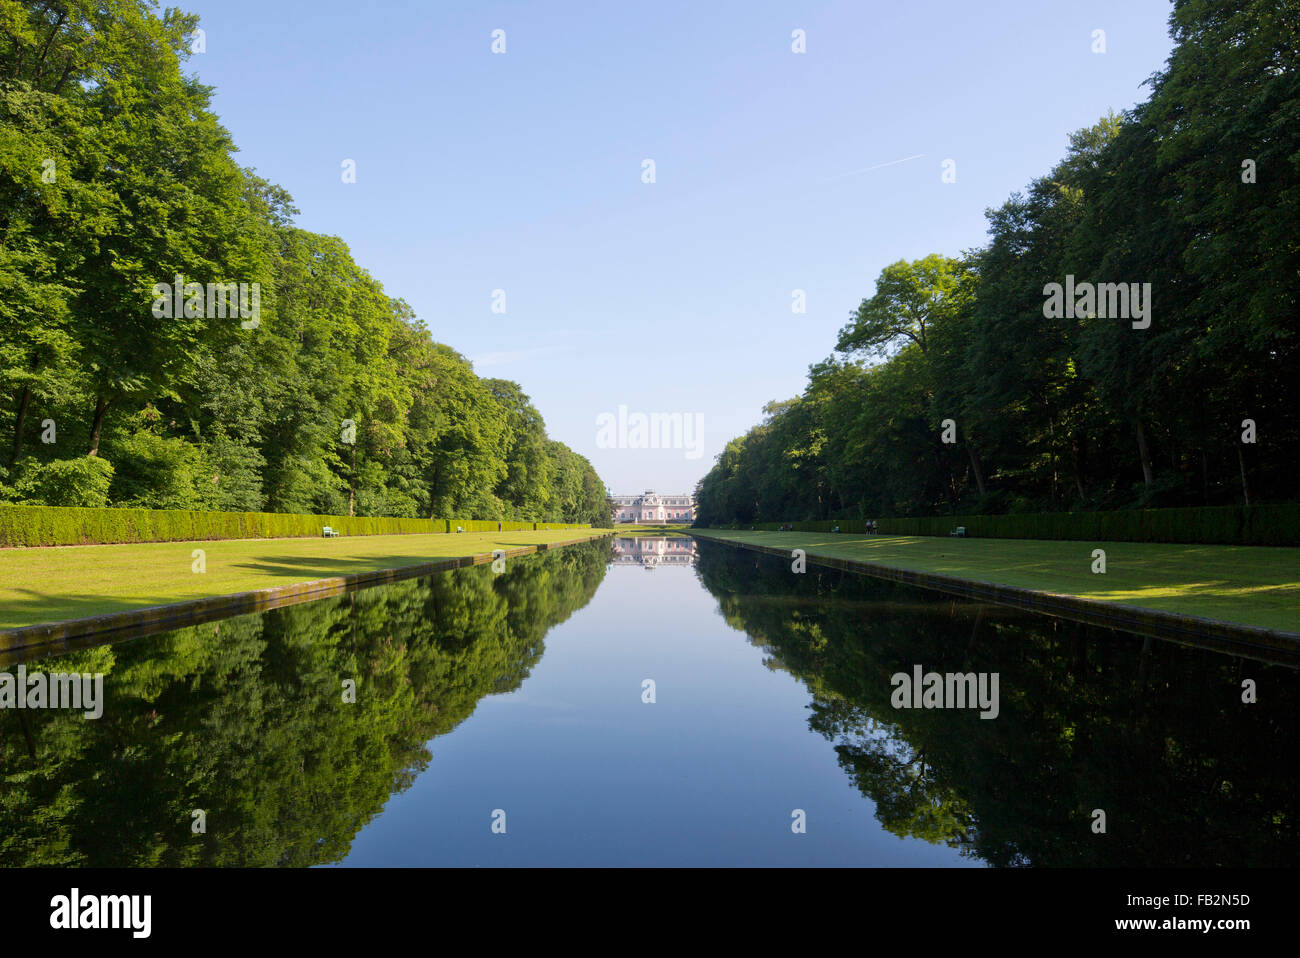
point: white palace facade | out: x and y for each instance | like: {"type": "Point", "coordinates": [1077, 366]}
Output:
{"type": "Point", "coordinates": [651, 507]}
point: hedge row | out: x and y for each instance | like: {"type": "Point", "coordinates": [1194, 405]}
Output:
{"type": "Point", "coordinates": [62, 525]}
{"type": "Point", "coordinates": [490, 525]}
{"type": "Point", "coordinates": [486, 525]}
{"type": "Point", "coordinates": [1273, 525]}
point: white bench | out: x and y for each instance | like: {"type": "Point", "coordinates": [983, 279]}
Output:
{"type": "Point", "coordinates": [328, 532]}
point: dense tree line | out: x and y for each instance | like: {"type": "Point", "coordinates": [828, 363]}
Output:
{"type": "Point", "coordinates": [308, 389]}
{"type": "Point", "coordinates": [990, 397]}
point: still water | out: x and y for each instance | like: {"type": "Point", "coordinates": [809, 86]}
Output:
{"type": "Point", "coordinates": [508, 719]}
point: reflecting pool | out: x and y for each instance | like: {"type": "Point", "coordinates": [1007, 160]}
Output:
{"type": "Point", "coordinates": [653, 701]}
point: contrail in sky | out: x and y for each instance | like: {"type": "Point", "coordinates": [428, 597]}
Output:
{"type": "Point", "coordinates": [877, 166]}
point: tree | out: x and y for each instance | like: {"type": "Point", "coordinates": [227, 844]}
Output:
{"type": "Point", "coordinates": [910, 298]}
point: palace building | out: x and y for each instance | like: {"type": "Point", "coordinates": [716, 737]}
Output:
{"type": "Point", "coordinates": [651, 507]}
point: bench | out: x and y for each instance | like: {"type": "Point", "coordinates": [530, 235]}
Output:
{"type": "Point", "coordinates": [959, 532]}
{"type": "Point", "coordinates": [329, 531]}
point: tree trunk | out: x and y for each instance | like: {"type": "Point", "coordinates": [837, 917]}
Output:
{"type": "Point", "coordinates": [352, 484]}
{"type": "Point", "coordinates": [1079, 449]}
{"type": "Point", "coordinates": [1051, 435]}
{"type": "Point", "coordinates": [1148, 473]}
{"type": "Point", "coordinates": [975, 468]}
{"type": "Point", "coordinates": [25, 724]}
{"type": "Point", "coordinates": [1241, 461]}
{"type": "Point", "coordinates": [23, 401]}
{"type": "Point", "coordinates": [97, 427]}
{"type": "Point", "coordinates": [54, 32]}
{"type": "Point", "coordinates": [433, 491]}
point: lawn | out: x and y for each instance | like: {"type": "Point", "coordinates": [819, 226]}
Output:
{"type": "Point", "coordinates": [66, 582]}
{"type": "Point", "coordinates": [1248, 585]}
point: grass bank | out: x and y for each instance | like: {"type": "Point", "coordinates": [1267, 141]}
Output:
{"type": "Point", "coordinates": [72, 582]}
{"type": "Point", "coordinates": [1245, 585]}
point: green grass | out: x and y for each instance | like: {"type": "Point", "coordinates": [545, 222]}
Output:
{"type": "Point", "coordinates": [1247, 585]}
{"type": "Point", "coordinates": [66, 582]}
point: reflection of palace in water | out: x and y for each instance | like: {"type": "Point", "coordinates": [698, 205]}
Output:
{"type": "Point", "coordinates": [651, 551]}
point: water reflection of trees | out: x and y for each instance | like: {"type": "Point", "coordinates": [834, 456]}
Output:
{"type": "Point", "coordinates": [1155, 734]}
{"type": "Point", "coordinates": [245, 719]}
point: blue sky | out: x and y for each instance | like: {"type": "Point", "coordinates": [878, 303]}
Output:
{"type": "Point", "coordinates": [522, 171]}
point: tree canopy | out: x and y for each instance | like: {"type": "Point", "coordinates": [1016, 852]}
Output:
{"type": "Point", "coordinates": [280, 376]}
{"type": "Point", "coordinates": [955, 389]}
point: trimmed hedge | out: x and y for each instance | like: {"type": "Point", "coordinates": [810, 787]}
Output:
{"type": "Point", "coordinates": [1271, 525]}
{"type": "Point", "coordinates": [489, 525]}
{"type": "Point", "coordinates": [508, 525]}
{"type": "Point", "coordinates": [845, 525]}
{"type": "Point", "coordinates": [68, 525]}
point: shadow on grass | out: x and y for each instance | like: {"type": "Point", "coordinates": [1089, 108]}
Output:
{"type": "Point", "coordinates": [35, 608]}
{"type": "Point", "coordinates": [317, 567]}
{"type": "Point", "coordinates": [32, 607]}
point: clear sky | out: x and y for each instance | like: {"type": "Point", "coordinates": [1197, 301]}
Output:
{"type": "Point", "coordinates": [774, 171]}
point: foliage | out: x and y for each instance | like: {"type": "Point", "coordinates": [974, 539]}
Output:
{"type": "Point", "coordinates": [955, 392]}
{"type": "Point", "coordinates": [65, 481]}
{"type": "Point", "coordinates": [330, 398]}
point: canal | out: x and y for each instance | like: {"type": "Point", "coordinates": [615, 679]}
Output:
{"type": "Point", "coordinates": [655, 701]}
